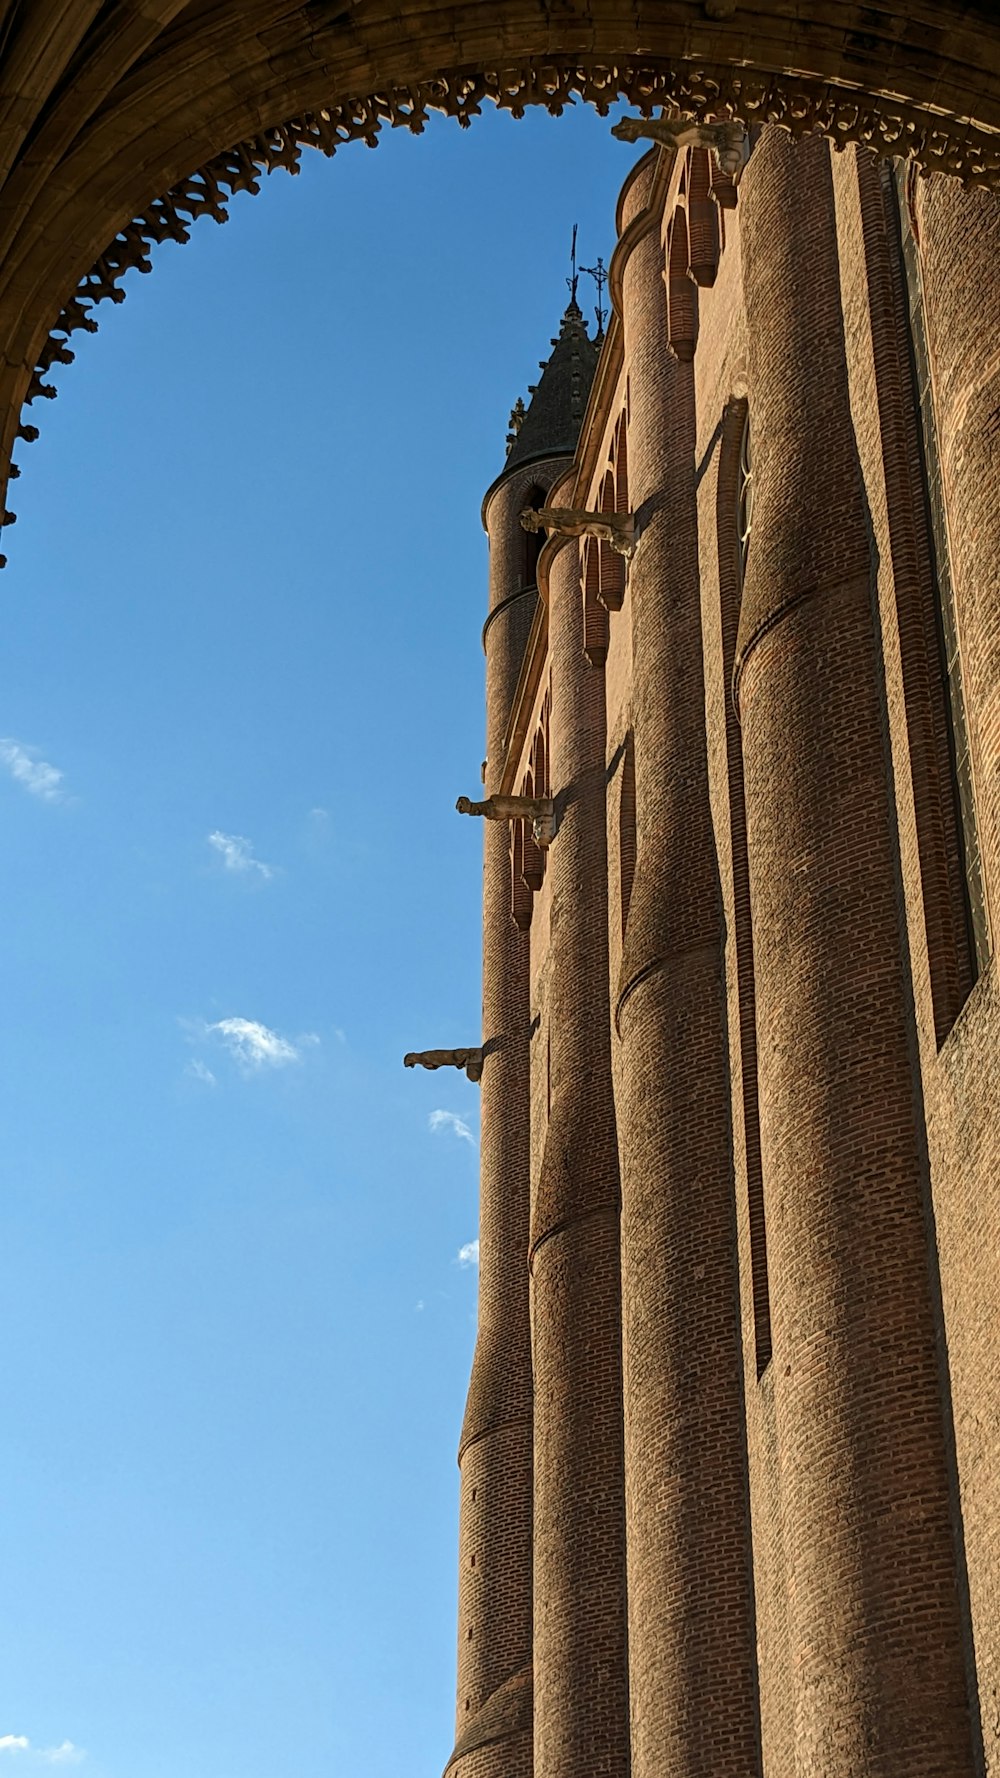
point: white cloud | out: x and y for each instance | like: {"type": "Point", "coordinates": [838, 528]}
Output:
{"type": "Point", "coordinates": [66, 1754]}
{"type": "Point", "coordinates": [255, 1046]}
{"type": "Point", "coordinates": [198, 1071]}
{"type": "Point", "coordinates": [34, 774]}
{"type": "Point", "coordinates": [469, 1254]}
{"type": "Point", "coordinates": [447, 1120]}
{"type": "Point", "coordinates": [237, 854]}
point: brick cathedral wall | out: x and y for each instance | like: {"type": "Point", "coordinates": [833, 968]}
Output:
{"type": "Point", "coordinates": [863, 1483]}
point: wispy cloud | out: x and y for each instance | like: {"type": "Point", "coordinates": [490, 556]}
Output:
{"type": "Point", "coordinates": [66, 1754]}
{"type": "Point", "coordinates": [35, 775]}
{"type": "Point", "coordinates": [469, 1254]}
{"type": "Point", "coordinates": [255, 1046]}
{"type": "Point", "coordinates": [448, 1120]}
{"type": "Point", "coordinates": [236, 853]}
{"type": "Point", "coordinates": [198, 1071]}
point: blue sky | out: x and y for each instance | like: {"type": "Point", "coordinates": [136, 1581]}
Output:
{"type": "Point", "coordinates": [241, 689]}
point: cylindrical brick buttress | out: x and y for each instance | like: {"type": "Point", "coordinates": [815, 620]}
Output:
{"type": "Point", "coordinates": [691, 1624]}
{"type": "Point", "coordinates": [581, 1708]}
{"type": "Point", "coordinates": [959, 235]}
{"type": "Point", "coordinates": [959, 275]}
{"type": "Point", "coordinates": [872, 1597]}
{"type": "Point", "coordinates": [494, 1717]}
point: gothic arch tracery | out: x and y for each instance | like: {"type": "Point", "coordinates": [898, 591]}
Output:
{"type": "Point", "coordinates": [114, 118]}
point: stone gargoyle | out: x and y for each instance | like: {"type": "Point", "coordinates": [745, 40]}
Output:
{"type": "Point", "coordinates": [724, 139]}
{"type": "Point", "coordinates": [471, 1061]}
{"type": "Point", "coordinates": [614, 528]}
{"type": "Point", "coordinates": [539, 810]}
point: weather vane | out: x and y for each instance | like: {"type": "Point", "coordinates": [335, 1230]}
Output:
{"type": "Point", "coordinates": [574, 278]}
{"type": "Point", "coordinates": [600, 277]}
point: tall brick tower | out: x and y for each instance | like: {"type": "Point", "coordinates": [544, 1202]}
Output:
{"type": "Point", "coordinates": [731, 1461]}
{"type": "Point", "coordinates": [494, 1715]}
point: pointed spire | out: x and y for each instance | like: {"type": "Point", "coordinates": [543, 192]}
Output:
{"type": "Point", "coordinates": [550, 425]}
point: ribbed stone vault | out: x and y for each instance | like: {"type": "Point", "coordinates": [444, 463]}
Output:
{"type": "Point", "coordinates": [118, 118]}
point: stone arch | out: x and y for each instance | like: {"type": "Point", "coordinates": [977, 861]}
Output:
{"type": "Point", "coordinates": [120, 118]}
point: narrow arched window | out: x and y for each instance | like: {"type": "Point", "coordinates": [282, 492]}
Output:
{"type": "Point", "coordinates": [520, 894]}
{"type": "Point", "coordinates": [744, 506]}
{"type": "Point", "coordinates": [621, 466]}
{"type": "Point", "coordinates": [611, 569]}
{"type": "Point", "coordinates": [595, 614]}
{"type": "Point", "coordinates": [626, 827]}
{"type": "Point", "coordinates": [682, 297]}
{"type": "Point", "coordinates": [734, 514]}
{"type": "Point", "coordinates": [532, 856]}
{"type": "Point", "coordinates": [704, 219]}
{"type": "Point", "coordinates": [539, 761]}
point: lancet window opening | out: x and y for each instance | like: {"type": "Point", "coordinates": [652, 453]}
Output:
{"type": "Point", "coordinates": [682, 297]}
{"type": "Point", "coordinates": [611, 565]}
{"type": "Point", "coordinates": [539, 764]}
{"type": "Point", "coordinates": [626, 828]}
{"type": "Point", "coordinates": [705, 223]}
{"type": "Point", "coordinates": [745, 494]}
{"type": "Point", "coordinates": [596, 633]}
{"type": "Point", "coordinates": [532, 856]}
{"type": "Point", "coordinates": [734, 513]}
{"type": "Point", "coordinates": [520, 893]}
{"type": "Point", "coordinates": [977, 942]}
{"type": "Point", "coordinates": [620, 460]}
{"type": "Point", "coordinates": [527, 859]}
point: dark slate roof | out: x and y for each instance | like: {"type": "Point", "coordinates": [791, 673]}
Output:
{"type": "Point", "coordinates": [551, 425]}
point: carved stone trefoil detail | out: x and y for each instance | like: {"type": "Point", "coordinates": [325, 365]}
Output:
{"type": "Point", "coordinates": [539, 810]}
{"type": "Point", "coordinates": [617, 529]}
{"type": "Point", "coordinates": [469, 1060]}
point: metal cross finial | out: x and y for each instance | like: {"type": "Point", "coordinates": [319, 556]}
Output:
{"type": "Point", "coordinates": [574, 277]}
{"type": "Point", "coordinates": [599, 274]}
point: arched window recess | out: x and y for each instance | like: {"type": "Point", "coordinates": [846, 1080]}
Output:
{"type": "Point", "coordinates": [744, 495]}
